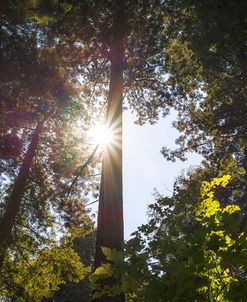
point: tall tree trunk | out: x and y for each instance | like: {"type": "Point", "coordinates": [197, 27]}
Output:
{"type": "Point", "coordinates": [110, 214]}
{"type": "Point", "coordinates": [14, 203]}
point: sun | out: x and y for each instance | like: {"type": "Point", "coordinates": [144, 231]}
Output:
{"type": "Point", "coordinates": [101, 135]}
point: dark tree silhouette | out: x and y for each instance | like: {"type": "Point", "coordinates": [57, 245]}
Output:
{"type": "Point", "coordinates": [110, 215]}
{"type": "Point", "coordinates": [14, 202]}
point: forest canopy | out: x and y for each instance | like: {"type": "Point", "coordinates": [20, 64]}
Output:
{"type": "Point", "coordinates": [68, 70]}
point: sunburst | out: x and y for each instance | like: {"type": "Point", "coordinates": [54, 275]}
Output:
{"type": "Point", "coordinates": [101, 135]}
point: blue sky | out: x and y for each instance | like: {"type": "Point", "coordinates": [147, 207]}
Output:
{"type": "Point", "coordinates": [144, 168]}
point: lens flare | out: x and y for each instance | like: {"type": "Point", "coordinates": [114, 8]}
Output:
{"type": "Point", "coordinates": [101, 134]}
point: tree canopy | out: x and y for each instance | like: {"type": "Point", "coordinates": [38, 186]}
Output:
{"type": "Point", "coordinates": [64, 66]}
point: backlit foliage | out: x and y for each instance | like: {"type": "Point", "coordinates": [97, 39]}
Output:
{"type": "Point", "coordinates": [33, 279]}
{"type": "Point", "coordinates": [188, 251]}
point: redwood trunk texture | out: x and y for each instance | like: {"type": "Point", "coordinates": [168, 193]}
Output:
{"type": "Point", "coordinates": [110, 228]}
{"type": "Point", "coordinates": [14, 203]}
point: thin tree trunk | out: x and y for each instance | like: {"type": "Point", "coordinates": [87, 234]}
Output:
{"type": "Point", "coordinates": [14, 203]}
{"type": "Point", "coordinates": [110, 214]}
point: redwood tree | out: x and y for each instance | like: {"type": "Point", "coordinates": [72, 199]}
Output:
{"type": "Point", "coordinates": [110, 229]}
{"type": "Point", "coordinates": [14, 202]}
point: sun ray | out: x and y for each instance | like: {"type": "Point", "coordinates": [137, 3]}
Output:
{"type": "Point", "coordinates": [102, 134]}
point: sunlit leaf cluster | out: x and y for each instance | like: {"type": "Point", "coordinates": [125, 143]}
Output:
{"type": "Point", "coordinates": [188, 251]}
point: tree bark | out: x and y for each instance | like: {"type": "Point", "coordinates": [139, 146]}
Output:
{"type": "Point", "coordinates": [110, 228]}
{"type": "Point", "coordinates": [14, 203]}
